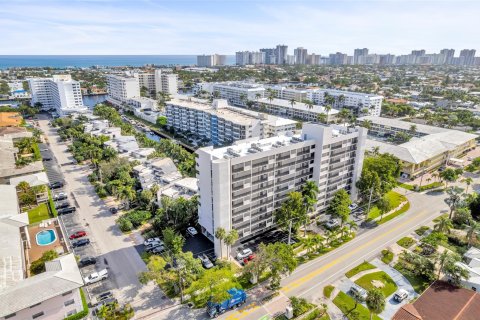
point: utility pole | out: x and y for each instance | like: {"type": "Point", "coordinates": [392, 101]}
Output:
{"type": "Point", "coordinates": [369, 200]}
{"type": "Point", "coordinates": [289, 231]}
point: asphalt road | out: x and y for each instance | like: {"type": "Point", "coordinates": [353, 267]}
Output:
{"type": "Point", "coordinates": [309, 279]}
{"type": "Point", "coordinates": [115, 250]}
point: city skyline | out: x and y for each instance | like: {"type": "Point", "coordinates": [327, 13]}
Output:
{"type": "Point", "coordinates": [187, 27]}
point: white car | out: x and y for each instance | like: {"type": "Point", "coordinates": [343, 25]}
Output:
{"type": "Point", "coordinates": [353, 206]}
{"type": "Point", "coordinates": [192, 231]}
{"type": "Point", "coordinates": [400, 295]}
{"type": "Point", "coordinates": [96, 276]}
{"type": "Point", "coordinates": [244, 253]}
{"type": "Point", "coordinates": [206, 263]}
{"type": "Point", "coordinates": [146, 242]}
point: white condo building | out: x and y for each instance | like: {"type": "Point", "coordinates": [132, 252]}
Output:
{"type": "Point", "coordinates": [122, 87]}
{"type": "Point", "coordinates": [238, 93]}
{"type": "Point", "coordinates": [59, 92]}
{"type": "Point", "coordinates": [221, 123]}
{"type": "Point", "coordinates": [297, 110]}
{"type": "Point", "coordinates": [351, 100]}
{"type": "Point", "coordinates": [158, 80]}
{"type": "Point", "coordinates": [241, 186]}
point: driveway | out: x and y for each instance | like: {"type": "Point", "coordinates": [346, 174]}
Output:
{"type": "Point", "coordinates": [392, 306]}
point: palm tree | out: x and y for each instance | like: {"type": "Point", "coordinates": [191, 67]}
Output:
{"type": "Point", "coordinates": [375, 302]}
{"type": "Point", "coordinates": [443, 225]}
{"type": "Point", "coordinates": [309, 244]}
{"type": "Point", "coordinates": [318, 241]}
{"type": "Point", "coordinates": [413, 129]}
{"type": "Point", "coordinates": [343, 231]}
{"type": "Point", "coordinates": [221, 234]}
{"type": "Point", "coordinates": [441, 260]}
{"type": "Point", "coordinates": [327, 109]}
{"type": "Point", "coordinates": [344, 114]}
{"type": "Point", "coordinates": [435, 175]}
{"type": "Point", "coordinates": [309, 193]}
{"type": "Point", "coordinates": [127, 194]}
{"type": "Point", "coordinates": [292, 102]}
{"type": "Point", "coordinates": [23, 187]}
{"type": "Point", "coordinates": [472, 232]}
{"type": "Point", "coordinates": [322, 118]}
{"type": "Point", "coordinates": [367, 124]}
{"type": "Point", "coordinates": [352, 225]}
{"type": "Point", "coordinates": [468, 181]}
{"type": "Point", "coordinates": [230, 240]}
{"type": "Point", "coordinates": [257, 96]}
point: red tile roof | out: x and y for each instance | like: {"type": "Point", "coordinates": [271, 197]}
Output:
{"type": "Point", "coordinates": [442, 301]}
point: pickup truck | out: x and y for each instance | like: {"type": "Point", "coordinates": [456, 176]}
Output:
{"type": "Point", "coordinates": [96, 276]}
{"type": "Point", "coordinates": [237, 298]}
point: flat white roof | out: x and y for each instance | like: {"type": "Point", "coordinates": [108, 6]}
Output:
{"type": "Point", "coordinates": [35, 179]}
{"type": "Point", "coordinates": [297, 106]}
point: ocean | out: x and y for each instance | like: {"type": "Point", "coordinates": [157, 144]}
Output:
{"type": "Point", "coordinates": [84, 61]}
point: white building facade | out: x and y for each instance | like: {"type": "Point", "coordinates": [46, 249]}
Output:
{"type": "Point", "coordinates": [221, 123]}
{"type": "Point", "coordinates": [356, 101]}
{"type": "Point", "coordinates": [238, 93]}
{"type": "Point", "coordinates": [59, 92]}
{"type": "Point", "coordinates": [241, 186]}
{"type": "Point", "coordinates": [122, 87]}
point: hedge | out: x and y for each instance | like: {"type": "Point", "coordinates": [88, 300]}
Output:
{"type": "Point", "coordinates": [82, 314]}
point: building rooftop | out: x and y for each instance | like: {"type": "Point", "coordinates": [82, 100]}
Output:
{"type": "Point", "coordinates": [61, 276]}
{"type": "Point", "coordinates": [34, 179]}
{"type": "Point", "coordinates": [221, 108]}
{"type": "Point", "coordinates": [297, 106]}
{"type": "Point", "coordinates": [395, 123]}
{"type": "Point", "coordinates": [8, 167]}
{"type": "Point", "coordinates": [442, 301]}
{"type": "Point", "coordinates": [10, 119]}
{"type": "Point", "coordinates": [243, 85]}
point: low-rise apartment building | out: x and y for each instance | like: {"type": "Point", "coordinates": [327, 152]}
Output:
{"type": "Point", "coordinates": [241, 186]}
{"type": "Point", "coordinates": [238, 93]}
{"type": "Point", "coordinates": [221, 123]}
{"type": "Point", "coordinates": [356, 101]}
{"type": "Point", "coordinates": [428, 148]}
{"type": "Point", "coordinates": [53, 294]}
{"type": "Point", "coordinates": [297, 110]}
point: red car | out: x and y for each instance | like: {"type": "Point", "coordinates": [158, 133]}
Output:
{"type": "Point", "coordinates": [249, 258]}
{"type": "Point", "coordinates": [77, 234]}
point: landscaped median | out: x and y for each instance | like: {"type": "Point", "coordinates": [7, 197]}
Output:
{"type": "Point", "coordinates": [430, 186]}
{"type": "Point", "coordinates": [399, 204]}
{"type": "Point", "coordinates": [360, 268]}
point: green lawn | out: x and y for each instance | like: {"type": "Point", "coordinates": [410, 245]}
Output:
{"type": "Point", "coordinates": [38, 214]}
{"type": "Point", "coordinates": [406, 242]}
{"type": "Point", "coordinates": [421, 231]}
{"type": "Point", "coordinates": [393, 197]}
{"type": "Point", "coordinates": [419, 284]}
{"type": "Point", "coordinates": [327, 291]}
{"type": "Point", "coordinates": [346, 304]}
{"type": "Point", "coordinates": [389, 285]}
{"type": "Point", "coordinates": [361, 267]}
{"type": "Point", "coordinates": [387, 256]}
{"type": "Point", "coordinates": [395, 214]}
{"type": "Point", "coordinates": [425, 187]}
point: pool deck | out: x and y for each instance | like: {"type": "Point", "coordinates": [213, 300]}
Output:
{"type": "Point", "coordinates": [36, 251]}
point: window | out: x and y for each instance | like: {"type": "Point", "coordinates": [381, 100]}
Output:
{"type": "Point", "coordinates": [11, 315]}
{"type": "Point", "coordinates": [69, 302]}
{"type": "Point", "coordinates": [36, 305]}
{"type": "Point", "coordinates": [37, 315]}
{"type": "Point", "coordinates": [66, 293]}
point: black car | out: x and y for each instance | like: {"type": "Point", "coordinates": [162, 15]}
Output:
{"type": "Point", "coordinates": [61, 205]}
{"type": "Point", "coordinates": [81, 243]}
{"type": "Point", "coordinates": [59, 196]}
{"type": "Point", "coordinates": [66, 210]}
{"type": "Point", "coordinates": [87, 261]}
{"type": "Point", "coordinates": [104, 296]}
{"type": "Point", "coordinates": [113, 210]}
{"type": "Point", "coordinates": [56, 185]}
{"type": "Point", "coordinates": [47, 159]}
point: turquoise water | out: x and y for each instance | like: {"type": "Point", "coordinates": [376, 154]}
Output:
{"type": "Point", "coordinates": [85, 61]}
{"type": "Point", "coordinates": [46, 237]}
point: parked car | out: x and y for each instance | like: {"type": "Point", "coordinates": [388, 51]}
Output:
{"type": "Point", "coordinates": [153, 245]}
{"type": "Point", "coordinates": [206, 263]}
{"type": "Point", "coordinates": [192, 231]}
{"type": "Point", "coordinates": [56, 185]}
{"type": "Point", "coordinates": [104, 296]}
{"type": "Point", "coordinates": [81, 243]}
{"type": "Point", "coordinates": [244, 253]}
{"type": "Point", "coordinates": [77, 234]}
{"type": "Point", "coordinates": [47, 159]}
{"type": "Point", "coordinates": [96, 276]}
{"type": "Point", "coordinates": [105, 302]}
{"type": "Point", "coordinates": [61, 205]}
{"type": "Point", "coordinates": [113, 210]}
{"type": "Point", "coordinates": [158, 250]}
{"type": "Point", "coordinates": [87, 261]}
{"type": "Point", "coordinates": [66, 210]}
{"type": "Point", "coordinates": [150, 240]}
{"type": "Point", "coordinates": [332, 224]}
{"type": "Point", "coordinates": [59, 196]}
{"type": "Point", "coordinates": [353, 206]}
{"type": "Point", "coordinates": [400, 295]}
{"type": "Point", "coordinates": [248, 259]}
{"type": "Point", "coordinates": [358, 292]}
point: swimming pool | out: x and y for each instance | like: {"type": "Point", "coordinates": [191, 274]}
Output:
{"type": "Point", "coordinates": [46, 237]}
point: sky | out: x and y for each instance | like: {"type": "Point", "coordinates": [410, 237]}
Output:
{"type": "Point", "coordinates": [226, 26]}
